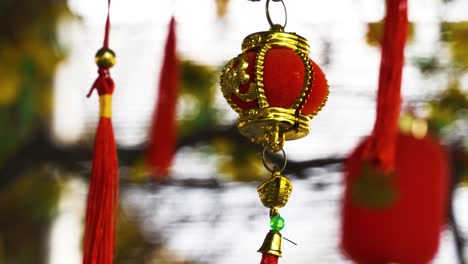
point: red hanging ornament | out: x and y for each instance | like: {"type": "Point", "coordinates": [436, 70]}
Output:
{"type": "Point", "coordinates": [276, 89]}
{"type": "Point", "coordinates": [102, 202]}
{"type": "Point", "coordinates": [395, 184]}
{"type": "Point", "coordinates": [162, 136]}
{"type": "Point", "coordinates": [396, 218]}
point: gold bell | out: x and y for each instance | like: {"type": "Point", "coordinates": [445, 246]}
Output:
{"type": "Point", "coordinates": [272, 243]}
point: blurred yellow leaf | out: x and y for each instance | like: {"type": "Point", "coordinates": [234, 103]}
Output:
{"type": "Point", "coordinates": [221, 8]}
{"type": "Point", "coordinates": [252, 170]}
{"type": "Point", "coordinates": [9, 76]}
{"type": "Point", "coordinates": [139, 172]}
{"type": "Point", "coordinates": [42, 53]}
{"type": "Point", "coordinates": [239, 162]}
{"type": "Point", "coordinates": [9, 87]}
{"type": "Point", "coordinates": [374, 33]}
{"type": "Point", "coordinates": [456, 34]}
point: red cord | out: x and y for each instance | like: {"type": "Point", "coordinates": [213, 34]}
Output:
{"type": "Point", "coordinates": [381, 149]}
{"type": "Point", "coordinates": [269, 259]}
{"type": "Point", "coordinates": [107, 29]}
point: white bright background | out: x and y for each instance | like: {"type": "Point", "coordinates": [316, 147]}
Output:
{"type": "Point", "coordinates": [138, 33]}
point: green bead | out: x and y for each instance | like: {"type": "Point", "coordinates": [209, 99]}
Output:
{"type": "Point", "coordinates": [277, 223]}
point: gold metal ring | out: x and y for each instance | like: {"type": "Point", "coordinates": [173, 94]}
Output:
{"type": "Point", "coordinates": [267, 10]}
{"type": "Point", "coordinates": [274, 169]}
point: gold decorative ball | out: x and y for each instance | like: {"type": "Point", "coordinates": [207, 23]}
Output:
{"type": "Point", "coordinates": [105, 58]}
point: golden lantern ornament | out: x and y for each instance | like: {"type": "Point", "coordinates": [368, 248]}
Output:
{"type": "Point", "coordinates": [276, 89]}
{"type": "Point", "coordinates": [274, 86]}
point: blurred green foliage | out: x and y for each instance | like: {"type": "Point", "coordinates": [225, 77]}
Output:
{"type": "Point", "coordinates": [455, 34]}
{"type": "Point", "coordinates": [197, 96]}
{"type": "Point", "coordinates": [28, 207]}
{"type": "Point", "coordinates": [29, 52]}
{"type": "Point", "coordinates": [130, 243]}
{"type": "Point", "coordinates": [446, 108]}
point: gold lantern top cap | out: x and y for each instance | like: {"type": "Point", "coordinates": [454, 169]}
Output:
{"type": "Point", "coordinates": [276, 37]}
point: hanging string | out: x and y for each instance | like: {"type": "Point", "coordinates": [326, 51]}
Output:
{"type": "Point", "coordinates": [103, 71]}
{"type": "Point", "coordinates": [381, 149]}
{"type": "Point", "coordinates": [107, 28]}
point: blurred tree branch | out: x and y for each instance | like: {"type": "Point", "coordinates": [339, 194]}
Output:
{"type": "Point", "coordinates": [40, 148]}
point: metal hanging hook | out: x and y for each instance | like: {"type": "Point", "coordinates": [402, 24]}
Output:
{"type": "Point", "coordinates": [275, 168]}
{"type": "Point", "coordinates": [259, 0]}
{"type": "Point", "coordinates": [267, 11]}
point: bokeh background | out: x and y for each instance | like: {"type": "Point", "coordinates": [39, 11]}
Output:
{"type": "Point", "coordinates": [208, 211]}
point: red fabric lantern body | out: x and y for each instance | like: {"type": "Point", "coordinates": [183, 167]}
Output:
{"type": "Point", "coordinates": [274, 87]}
{"type": "Point", "coordinates": [283, 80]}
{"type": "Point", "coordinates": [407, 230]}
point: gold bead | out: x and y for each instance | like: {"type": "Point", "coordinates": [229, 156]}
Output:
{"type": "Point", "coordinates": [105, 58]}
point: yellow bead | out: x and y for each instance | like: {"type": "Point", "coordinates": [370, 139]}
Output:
{"type": "Point", "coordinates": [105, 58]}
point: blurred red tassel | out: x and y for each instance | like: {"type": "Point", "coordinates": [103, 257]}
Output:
{"type": "Point", "coordinates": [102, 203]}
{"type": "Point", "coordinates": [162, 136]}
{"type": "Point", "coordinates": [381, 148]}
{"type": "Point", "coordinates": [269, 259]}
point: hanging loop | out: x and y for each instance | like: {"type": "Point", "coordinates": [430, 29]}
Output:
{"type": "Point", "coordinates": [275, 168]}
{"type": "Point", "coordinates": [267, 11]}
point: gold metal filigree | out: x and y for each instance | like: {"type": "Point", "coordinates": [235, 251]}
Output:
{"type": "Point", "coordinates": [275, 192]}
{"type": "Point", "coordinates": [309, 77]}
{"type": "Point", "coordinates": [256, 123]}
{"type": "Point", "coordinates": [324, 102]}
{"type": "Point", "coordinates": [290, 40]}
{"type": "Point", "coordinates": [258, 80]}
{"type": "Point", "coordinates": [234, 75]}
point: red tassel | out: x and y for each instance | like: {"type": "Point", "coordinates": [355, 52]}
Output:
{"type": "Point", "coordinates": [162, 136]}
{"type": "Point", "coordinates": [104, 183]}
{"type": "Point", "coordinates": [381, 149]}
{"type": "Point", "coordinates": [102, 204]}
{"type": "Point", "coordinates": [269, 259]}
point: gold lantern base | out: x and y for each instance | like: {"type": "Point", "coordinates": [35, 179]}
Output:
{"type": "Point", "coordinates": [271, 126]}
